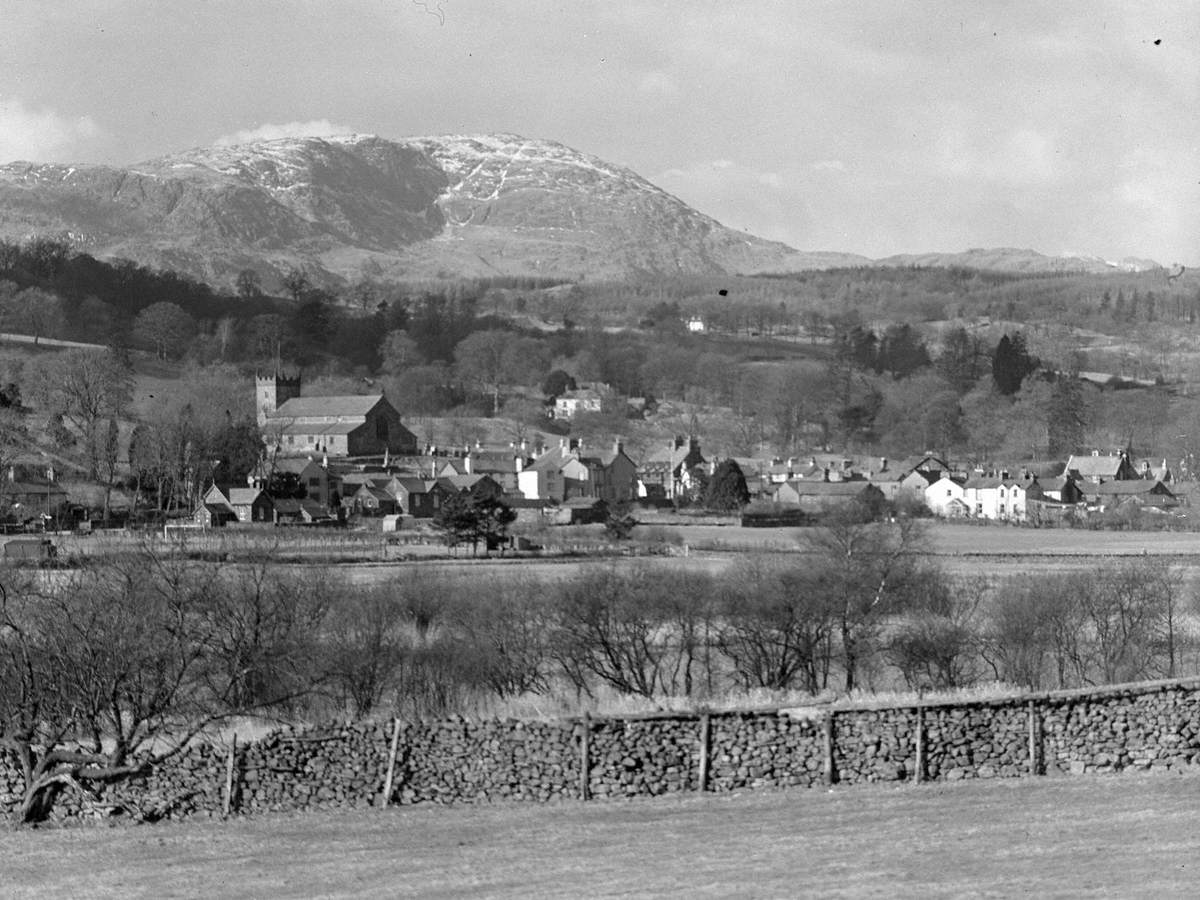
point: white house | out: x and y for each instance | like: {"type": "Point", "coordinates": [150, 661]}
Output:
{"type": "Point", "coordinates": [1001, 499]}
{"type": "Point", "coordinates": [570, 404]}
{"type": "Point", "coordinates": [947, 497]}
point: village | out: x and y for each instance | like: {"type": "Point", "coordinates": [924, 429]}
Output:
{"type": "Point", "coordinates": [329, 460]}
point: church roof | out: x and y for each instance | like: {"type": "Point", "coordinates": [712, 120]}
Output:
{"type": "Point", "coordinates": [305, 407]}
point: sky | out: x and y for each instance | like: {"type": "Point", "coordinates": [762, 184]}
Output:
{"type": "Point", "coordinates": [874, 128]}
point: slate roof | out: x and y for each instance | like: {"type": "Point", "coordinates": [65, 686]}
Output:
{"type": "Point", "coordinates": [1095, 466]}
{"type": "Point", "coordinates": [321, 428]}
{"type": "Point", "coordinates": [293, 464]}
{"type": "Point", "coordinates": [349, 405]}
{"type": "Point", "coordinates": [1129, 488]}
{"type": "Point", "coordinates": [830, 488]}
{"type": "Point", "coordinates": [243, 496]}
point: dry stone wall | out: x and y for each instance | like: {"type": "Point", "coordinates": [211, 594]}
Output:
{"type": "Point", "coordinates": [1133, 727]}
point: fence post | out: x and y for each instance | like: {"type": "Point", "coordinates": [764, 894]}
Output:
{"type": "Point", "coordinates": [584, 774]}
{"type": "Point", "coordinates": [227, 803]}
{"type": "Point", "coordinates": [829, 772]}
{"type": "Point", "coordinates": [1033, 738]}
{"type": "Point", "coordinates": [391, 766]}
{"type": "Point", "coordinates": [702, 777]}
{"type": "Point", "coordinates": [919, 775]}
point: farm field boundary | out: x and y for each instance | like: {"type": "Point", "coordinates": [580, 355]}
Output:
{"type": "Point", "coordinates": [1138, 727]}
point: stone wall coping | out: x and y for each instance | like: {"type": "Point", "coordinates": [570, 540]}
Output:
{"type": "Point", "coordinates": [818, 708]}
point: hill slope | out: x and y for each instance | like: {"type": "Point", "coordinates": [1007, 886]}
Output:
{"type": "Point", "coordinates": [424, 207]}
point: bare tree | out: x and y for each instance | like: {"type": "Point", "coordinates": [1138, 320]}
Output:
{"type": "Point", "coordinates": [85, 387]}
{"type": "Point", "coordinates": [865, 572]}
{"type": "Point", "coordinates": [776, 626]}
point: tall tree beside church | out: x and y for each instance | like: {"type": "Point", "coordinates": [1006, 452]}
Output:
{"type": "Point", "coordinates": [1011, 363]}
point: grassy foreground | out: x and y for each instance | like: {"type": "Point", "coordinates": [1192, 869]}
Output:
{"type": "Point", "coordinates": [1121, 836]}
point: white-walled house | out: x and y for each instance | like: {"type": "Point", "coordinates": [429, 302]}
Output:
{"type": "Point", "coordinates": [1001, 499]}
{"type": "Point", "coordinates": [947, 497]}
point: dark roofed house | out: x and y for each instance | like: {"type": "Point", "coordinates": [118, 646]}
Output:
{"type": "Point", "coordinates": [1098, 468]}
{"type": "Point", "coordinates": [289, 511]}
{"type": "Point", "coordinates": [370, 500]}
{"type": "Point", "coordinates": [822, 496]}
{"type": "Point", "coordinates": [1141, 492]}
{"type": "Point", "coordinates": [420, 498]}
{"type": "Point", "coordinates": [670, 472]}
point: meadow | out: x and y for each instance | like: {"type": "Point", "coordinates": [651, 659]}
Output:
{"type": "Point", "coordinates": [1088, 836]}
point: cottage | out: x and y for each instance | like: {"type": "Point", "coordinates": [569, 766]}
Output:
{"type": "Point", "coordinates": [672, 471]}
{"type": "Point", "coordinates": [947, 497]}
{"type": "Point", "coordinates": [370, 500]}
{"type": "Point", "coordinates": [290, 511]}
{"type": "Point", "coordinates": [419, 498]}
{"type": "Point", "coordinates": [999, 498]}
{"type": "Point", "coordinates": [1096, 469]}
{"type": "Point", "coordinates": [823, 496]}
{"type": "Point", "coordinates": [249, 504]}
{"type": "Point", "coordinates": [572, 403]}
{"type": "Point", "coordinates": [1143, 492]}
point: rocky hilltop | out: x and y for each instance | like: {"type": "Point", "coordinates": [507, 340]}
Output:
{"type": "Point", "coordinates": [421, 207]}
{"type": "Point", "coordinates": [425, 207]}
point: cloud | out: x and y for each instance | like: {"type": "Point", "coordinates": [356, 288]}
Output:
{"type": "Point", "coordinates": [660, 84]}
{"type": "Point", "coordinates": [1023, 156]}
{"type": "Point", "coordinates": [42, 135]}
{"type": "Point", "coordinates": [271, 131]}
{"type": "Point", "coordinates": [829, 165]}
{"type": "Point", "coordinates": [768, 203]}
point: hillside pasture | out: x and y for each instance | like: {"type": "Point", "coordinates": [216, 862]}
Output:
{"type": "Point", "coordinates": [1128, 835]}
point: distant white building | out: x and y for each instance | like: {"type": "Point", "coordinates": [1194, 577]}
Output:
{"type": "Point", "coordinates": [947, 497]}
{"type": "Point", "coordinates": [570, 404]}
{"type": "Point", "coordinates": [696, 325]}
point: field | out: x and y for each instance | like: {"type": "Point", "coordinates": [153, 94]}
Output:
{"type": "Point", "coordinates": [1127, 836]}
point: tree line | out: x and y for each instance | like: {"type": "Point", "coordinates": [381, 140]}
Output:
{"type": "Point", "coordinates": [116, 664]}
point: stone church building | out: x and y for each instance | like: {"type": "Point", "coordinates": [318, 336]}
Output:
{"type": "Point", "coordinates": [354, 425]}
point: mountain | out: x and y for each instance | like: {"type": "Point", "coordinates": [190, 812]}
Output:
{"type": "Point", "coordinates": [425, 207]}
{"type": "Point", "coordinates": [347, 206]}
{"type": "Point", "coordinates": [1008, 259]}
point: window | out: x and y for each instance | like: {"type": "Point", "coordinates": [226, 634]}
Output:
{"type": "Point", "coordinates": [381, 428]}
{"type": "Point", "coordinates": [314, 482]}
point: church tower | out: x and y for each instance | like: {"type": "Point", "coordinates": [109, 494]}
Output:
{"type": "Point", "coordinates": [272, 391]}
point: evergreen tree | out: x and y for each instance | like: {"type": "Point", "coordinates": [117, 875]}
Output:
{"type": "Point", "coordinates": [1011, 363]}
{"type": "Point", "coordinates": [727, 490]}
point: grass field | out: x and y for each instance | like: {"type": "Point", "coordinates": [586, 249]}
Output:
{"type": "Point", "coordinates": [1122, 836]}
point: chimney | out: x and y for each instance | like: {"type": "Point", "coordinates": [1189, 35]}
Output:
{"type": "Point", "coordinates": [618, 447]}
{"type": "Point", "coordinates": [678, 445]}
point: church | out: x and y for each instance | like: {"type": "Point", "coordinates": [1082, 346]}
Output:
{"type": "Point", "coordinates": [353, 425]}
